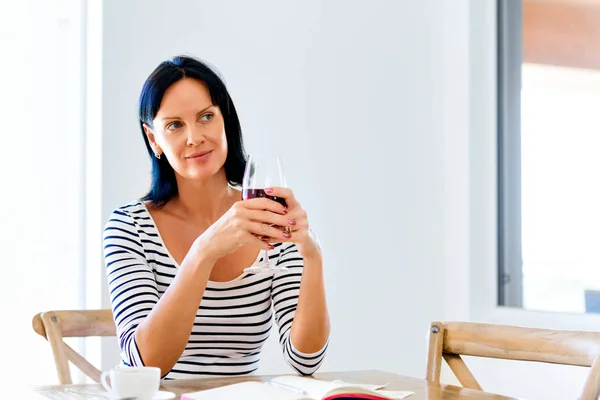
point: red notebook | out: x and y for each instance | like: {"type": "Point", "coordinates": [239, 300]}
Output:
{"type": "Point", "coordinates": [296, 388]}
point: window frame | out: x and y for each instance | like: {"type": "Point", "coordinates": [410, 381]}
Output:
{"type": "Point", "coordinates": [509, 64]}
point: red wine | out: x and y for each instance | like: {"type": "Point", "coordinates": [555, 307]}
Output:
{"type": "Point", "coordinates": [254, 193]}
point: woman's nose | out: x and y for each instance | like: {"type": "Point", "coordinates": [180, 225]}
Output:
{"type": "Point", "coordinates": [195, 135]}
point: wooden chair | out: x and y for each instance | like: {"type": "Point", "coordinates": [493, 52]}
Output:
{"type": "Point", "coordinates": [450, 340]}
{"type": "Point", "coordinates": [56, 325]}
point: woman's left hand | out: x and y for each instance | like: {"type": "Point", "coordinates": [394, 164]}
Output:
{"type": "Point", "coordinates": [298, 225]}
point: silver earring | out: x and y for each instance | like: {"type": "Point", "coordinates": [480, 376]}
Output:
{"type": "Point", "coordinates": [157, 155]}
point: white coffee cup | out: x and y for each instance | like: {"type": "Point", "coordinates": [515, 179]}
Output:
{"type": "Point", "coordinates": [139, 382]}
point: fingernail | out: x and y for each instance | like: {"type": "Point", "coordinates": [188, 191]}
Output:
{"type": "Point", "coordinates": [271, 247]}
{"type": "Point", "coordinates": [287, 235]}
{"type": "Point", "coordinates": [285, 210]}
{"type": "Point", "coordinates": [292, 222]}
{"type": "Point", "coordinates": [269, 191]}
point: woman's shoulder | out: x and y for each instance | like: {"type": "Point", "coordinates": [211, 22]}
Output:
{"type": "Point", "coordinates": [126, 214]}
{"type": "Point", "coordinates": [130, 209]}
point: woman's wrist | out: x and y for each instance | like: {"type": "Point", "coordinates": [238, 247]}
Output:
{"type": "Point", "coordinates": [202, 257]}
{"type": "Point", "coordinates": [310, 250]}
{"type": "Point", "coordinates": [312, 254]}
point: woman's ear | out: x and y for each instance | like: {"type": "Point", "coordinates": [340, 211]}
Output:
{"type": "Point", "coordinates": [152, 140]}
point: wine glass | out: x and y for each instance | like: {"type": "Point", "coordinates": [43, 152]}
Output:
{"type": "Point", "coordinates": [262, 173]}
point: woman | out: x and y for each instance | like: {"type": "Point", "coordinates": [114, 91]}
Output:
{"type": "Point", "coordinates": [175, 259]}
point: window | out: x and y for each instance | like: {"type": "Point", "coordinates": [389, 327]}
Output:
{"type": "Point", "coordinates": [549, 155]}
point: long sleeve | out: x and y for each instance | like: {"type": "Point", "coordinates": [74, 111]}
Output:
{"type": "Point", "coordinates": [131, 281]}
{"type": "Point", "coordinates": [285, 292]}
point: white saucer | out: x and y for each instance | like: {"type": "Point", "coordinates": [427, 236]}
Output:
{"type": "Point", "coordinates": [162, 395]}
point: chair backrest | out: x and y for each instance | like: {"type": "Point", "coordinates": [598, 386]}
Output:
{"type": "Point", "coordinates": [56, 325]}
{"type": "Point", "coordinates": [450, 340]}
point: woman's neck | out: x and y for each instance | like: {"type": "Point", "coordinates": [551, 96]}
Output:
{"type": "Point", "coordinates": [205, 201]}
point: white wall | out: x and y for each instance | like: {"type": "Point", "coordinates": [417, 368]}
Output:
{"type": "Point", "coordinates": [351, 96]}
{"type": "Point", "coordinates": [41, 201]}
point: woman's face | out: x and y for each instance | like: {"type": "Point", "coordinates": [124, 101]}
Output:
{"type": "Point", "coordinates": [189, 131]}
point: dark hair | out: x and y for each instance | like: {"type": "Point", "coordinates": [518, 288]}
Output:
{"type": "Point", "coordinates": [164, 186]}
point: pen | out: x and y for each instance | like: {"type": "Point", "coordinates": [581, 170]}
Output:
{"type": "Point", "coordinates": [284, 386]}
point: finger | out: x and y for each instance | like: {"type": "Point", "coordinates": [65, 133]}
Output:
{"type": "Point", "coordinates": [297, 214]}
{"type": "Point", "coordinates": [284, 193]}
{"type": "Point", "coordinates": [269, 218]}
{"type": "Point", "coordinates": [257, 241]}
{"type": "Point", "coordinates": [273, 233]}
{"type": "Point", "coordinates": [297, 218]}
{"type": "Point", "coordinates": [263, 203]}
{"type": "Point", "coordinates": [298, 226]}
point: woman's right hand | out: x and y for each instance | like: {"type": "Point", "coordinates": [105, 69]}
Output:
{"type": "Point", "coordinates": [247, 222]}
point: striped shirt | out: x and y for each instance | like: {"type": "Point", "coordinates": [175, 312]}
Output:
{"type": "Point", "coordinates": [234, 318]}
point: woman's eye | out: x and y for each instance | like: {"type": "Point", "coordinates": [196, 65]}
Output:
{"type": "Point", "coordinates": [173, 126]}
{"type": "Point", "coordinates": [207, 117]}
